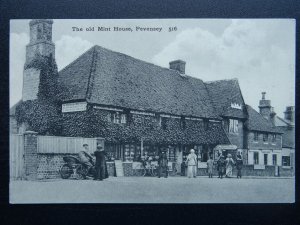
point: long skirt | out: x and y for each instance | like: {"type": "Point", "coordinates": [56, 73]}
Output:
{"type": "Point", "coordinates": [191, 171]}
{"type": "Point", "coordinates": [229, 171]}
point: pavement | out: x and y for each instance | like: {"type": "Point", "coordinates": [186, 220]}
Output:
{"type": "Point", "coordinates": [156, 190]}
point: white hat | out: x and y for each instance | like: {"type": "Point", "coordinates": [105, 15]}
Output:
{"type": "Point", "coordinates": [192, 151]}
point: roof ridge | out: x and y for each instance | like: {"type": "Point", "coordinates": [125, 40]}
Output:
{"type": "Point", "coordinates": [91, 77]}
{"type": "Point", "coordinates": [149, 63]}
{"type": "Point", "coordinates": [215, 81]}
{"type": "Point", "coordinates": [75, 60]}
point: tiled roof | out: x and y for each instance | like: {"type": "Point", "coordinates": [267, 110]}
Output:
{"type": "Point", "coordinates": [102, 76]}
{"type": "Point", "coordinates": [223, 93]}
{"type": "Point", "coordinates": [257, 122]}
{"type": "Point", "coordinates": [280, 122]}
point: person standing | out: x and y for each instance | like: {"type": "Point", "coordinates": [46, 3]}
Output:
{"type": "Point", "coordinates": [229, 166]}
{"type": "Point", "coordinates": [100, 165]}
{"type": "Point", "coordinates": [163, 164]}
{"type": "Point", "coordinates": [239, 165]}
{"type": "Point", "coordinates": [210, 167]}
{"type": "Point", "coordinates": [191, 162]}
{"type": "Point", "coordinates": [221, 166]}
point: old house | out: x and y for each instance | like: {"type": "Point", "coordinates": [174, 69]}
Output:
{"type": "Point", "coordinates": [136, 106]}
{"type": "Point", "coordinates": [141, 108]}
{"type": "Point", "coordinates": [263, 141]}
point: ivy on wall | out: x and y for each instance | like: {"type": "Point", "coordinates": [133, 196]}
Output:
{"type": "Point", "coordinates": [43, 114]}
{"type": "Point", "coordinates": [94, 123]}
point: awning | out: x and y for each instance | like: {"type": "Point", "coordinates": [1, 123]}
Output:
{"type": "Point", "coordinates": [225, 147]}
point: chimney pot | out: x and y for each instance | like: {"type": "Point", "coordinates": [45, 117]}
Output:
{"type": "Point", "coordinates": [178, 65]}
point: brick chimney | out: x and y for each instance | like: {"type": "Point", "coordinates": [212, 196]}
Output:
{"type": "Point", "coordinates": [178, 65]}
{"type": "Point", "coordinates": [289, 113]}
{"type": "Point", "coordinates": [265, 108]}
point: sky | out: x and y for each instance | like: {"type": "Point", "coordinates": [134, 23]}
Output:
{"type": "Point", "coordinates": [260, 53]}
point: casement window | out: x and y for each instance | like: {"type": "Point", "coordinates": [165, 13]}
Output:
{"type": "Point", "coordinates": [273, 138]}
{"type": "Point", "coordinates": [233, 126]}
{"type": "Point", "coordinates": [118, 118]}
{"type": "Point", "coordinates": [255, 158]}
{"type": "Point", "coordinates": [265, 159]}
{"type": "Point", "coordinates": [286, 161]}
{"type": "Point", "coordinates": [274, 159]}
{"type": "Point", "coordinates": [265, 137]}
{"type": "Point", "coordinates": [123, 118]}
{"type": "Point", "coordinates": [256, 136]}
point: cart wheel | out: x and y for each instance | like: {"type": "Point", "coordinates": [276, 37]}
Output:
{"type": "Point", "coordinates": [81, 171]}
{"type": "Point", "coordinates": [65, 171]}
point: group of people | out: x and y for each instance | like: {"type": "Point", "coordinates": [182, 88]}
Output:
{"type": "Point", "coordinates": [225, 166]}
{"type": "Point", "coordinates": [100, 170]}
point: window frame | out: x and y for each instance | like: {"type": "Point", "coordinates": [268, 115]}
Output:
{"type": "Point", "coordinates": [274, 160]}
{"type": "Point", "coordinates": [256, 136]}
{"type": "Point", "coordinates": [265, 159]}
{"type": "Point", "coordinates": [254, 161]}
{"type": "Point", "coordinates": [233, 127]}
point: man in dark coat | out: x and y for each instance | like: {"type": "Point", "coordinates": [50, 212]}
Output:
{"type": "Point", "coordinates": [221, 164]}
{"type": "Point", "coordinates": [239, 165]}
{"type": "Point", "coordinates": [100, 165]}
{"type": "Point", "coordinates": [163, 164]}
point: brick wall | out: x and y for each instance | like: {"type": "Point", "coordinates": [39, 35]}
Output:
{"type": "Point", "coordinates": [260, 144]}
{"type": "Point", "coordinates": [128, 171]}
{"type": "Point", "coordinates": [30, 155]}
{"type": "Point", "coordinates": [49, 165]}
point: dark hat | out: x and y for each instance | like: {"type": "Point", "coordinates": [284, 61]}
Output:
{"type": "Point", "coordinates": [85, 144]}
{"type": "Point", "coordinates": [99, 146]}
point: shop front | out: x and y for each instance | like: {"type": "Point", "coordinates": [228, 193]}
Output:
{"type": "Point", "coordinates": [133, 154]}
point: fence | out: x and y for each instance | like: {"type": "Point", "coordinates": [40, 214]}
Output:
{"type": "Point", "coordinates": [67, 145]}
{"type": "Point", "coordinates": [16, 156]}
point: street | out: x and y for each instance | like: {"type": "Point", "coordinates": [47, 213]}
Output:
{"type": "Point", "coordinates": [155, 190]}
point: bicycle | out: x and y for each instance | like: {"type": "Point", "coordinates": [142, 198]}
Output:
{"type": "Point", "coordinates": [144, 168]}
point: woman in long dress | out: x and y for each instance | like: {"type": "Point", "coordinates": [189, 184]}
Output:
{"type": "Point", "coordinates": [191, 162]}
{"type": "Point", "coordinates": [229, 165]}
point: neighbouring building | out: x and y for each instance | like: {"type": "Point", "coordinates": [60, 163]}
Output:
{"type": "Point", "coordinates": [287, 126]}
